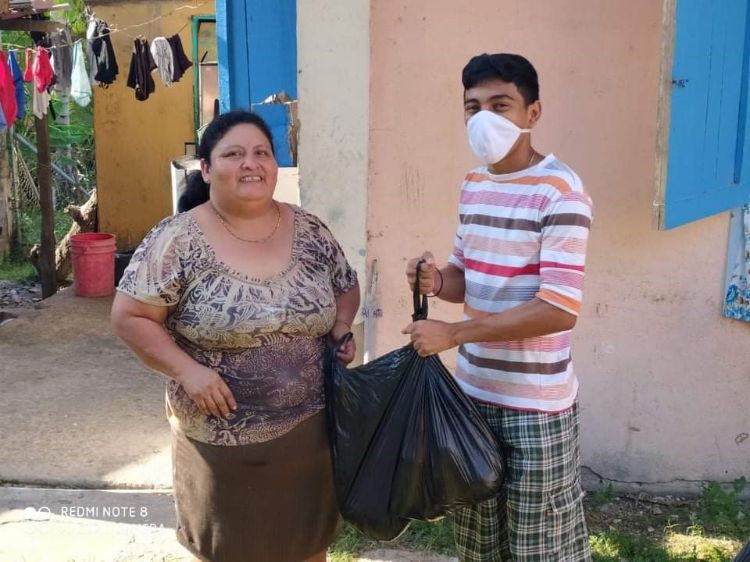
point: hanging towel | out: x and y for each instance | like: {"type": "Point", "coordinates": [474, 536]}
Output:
{"type": "Point", "coordinates": [7, 91]}
{"type": "Point", "coordinates": [737, 299]}
{"type": "Point", "coordinates": [63, 58]}
{"type": "Point", "coordinates": [44, 76]}
{"type": "Point", "coordinates": [17, 74]}
{"type": "Point", "coordinates": [162, 54]}
{"type": "Point", "coordinates": [28, 74]}
{"type": "Point", "coordinates": [141, 65]}
{"type": "Point", "coordinates": [80, 86]}
{"type": "Point", "coordinates": [39, 100]}
{"type": "Point", "coordinates": [181, 62]}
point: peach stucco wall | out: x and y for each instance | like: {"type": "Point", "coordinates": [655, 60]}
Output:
{"type": "Point", "coordinates": [664, 378]}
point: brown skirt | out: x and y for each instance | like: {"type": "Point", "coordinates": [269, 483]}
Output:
{"type": "Point", "coordinates": [266, 502]}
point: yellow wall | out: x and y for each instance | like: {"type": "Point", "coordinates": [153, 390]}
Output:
{"type": "Point", "coordinates": [135, 140]}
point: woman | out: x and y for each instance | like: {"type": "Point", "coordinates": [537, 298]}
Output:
{"type": "Point", "coordinates": [233, 300]}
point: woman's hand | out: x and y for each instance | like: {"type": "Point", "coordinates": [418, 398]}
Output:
{"type": "Point", "coordinates": [347, 352]}
{"type": "Point", "coordinates": [209, 392]}
{"type": "Point", "coordinates": [348, 349]}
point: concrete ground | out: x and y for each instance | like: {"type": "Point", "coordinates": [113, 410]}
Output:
{"type": "Point", "coordinates": [85, 467]}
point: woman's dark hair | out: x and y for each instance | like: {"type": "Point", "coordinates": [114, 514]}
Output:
{"type": "Point", "coordinates": [196, 190]}
{"type": "Point", "coordinates": [505, 67]}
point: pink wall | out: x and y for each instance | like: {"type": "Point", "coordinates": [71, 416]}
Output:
{"type": "Point", "coordinates": [663, 374]}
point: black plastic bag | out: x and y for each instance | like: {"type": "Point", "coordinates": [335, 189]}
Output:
{"type": "Point", "coordinates": [406, 441]}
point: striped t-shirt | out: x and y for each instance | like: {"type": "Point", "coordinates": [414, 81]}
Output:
{"type": "Point", "coordinates": [521, 235]}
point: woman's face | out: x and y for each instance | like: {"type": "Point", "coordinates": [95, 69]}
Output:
{"type": "Point", "coordinates": [242, 166]}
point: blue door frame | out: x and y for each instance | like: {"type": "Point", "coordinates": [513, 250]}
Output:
{"type": "Point", "coordinates": [257, 46]}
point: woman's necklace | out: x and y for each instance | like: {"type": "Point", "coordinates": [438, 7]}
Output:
{"type": "Point", "coordinates": [533, 155]}
{"type": "Point", "coordinates": [229, 230]}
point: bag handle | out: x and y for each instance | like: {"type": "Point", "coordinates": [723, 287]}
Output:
{"type": "Point", "coordinates": [420, 308]}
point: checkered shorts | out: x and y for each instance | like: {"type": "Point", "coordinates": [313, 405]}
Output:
{"type": "Point", "coordinates": [538, 516]}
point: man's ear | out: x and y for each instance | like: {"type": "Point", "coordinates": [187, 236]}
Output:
{"type": "Point", "coordinates": [534, 111]}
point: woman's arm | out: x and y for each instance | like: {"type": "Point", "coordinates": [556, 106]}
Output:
{"type": "Point", "coordinates": [141, 327]}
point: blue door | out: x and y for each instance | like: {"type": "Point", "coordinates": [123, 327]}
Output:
{"type": "Point", "coordinates": [257, 47]}
{"type": "Point", "coordinates": [708, 166]}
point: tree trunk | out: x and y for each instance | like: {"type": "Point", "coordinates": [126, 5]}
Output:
{"type": "Point", "coordinates": [84, 220]}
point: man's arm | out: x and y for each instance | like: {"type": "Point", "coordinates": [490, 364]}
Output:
{"type": "Point", "coordinates": [528, 320]}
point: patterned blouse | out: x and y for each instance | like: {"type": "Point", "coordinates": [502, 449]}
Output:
{"type": "Point", "coordinates": [265, 338]}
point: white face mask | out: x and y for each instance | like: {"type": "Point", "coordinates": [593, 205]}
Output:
{"type": "Point", "coordinates": [491, 136]}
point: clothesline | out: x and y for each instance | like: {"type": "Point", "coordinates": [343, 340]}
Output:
{"type": "Point", "coordinates": [12, 47]}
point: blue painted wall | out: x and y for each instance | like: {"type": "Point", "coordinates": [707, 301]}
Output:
{"type": "Point", "coordinates": [708, 168]}
{"type": "Point", "coordinates": [257, 44]}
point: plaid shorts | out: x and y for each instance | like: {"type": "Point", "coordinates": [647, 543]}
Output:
{"type": "Point", "coordinates": [538, 516]}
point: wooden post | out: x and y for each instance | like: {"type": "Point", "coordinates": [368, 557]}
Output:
{"type": "Point", "coordinates": [7, 205]}
{"type": "Point", "coordinates": [44, 178]}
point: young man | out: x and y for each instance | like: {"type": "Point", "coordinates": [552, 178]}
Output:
{"type": "Point", "coordinates": [517, 266]}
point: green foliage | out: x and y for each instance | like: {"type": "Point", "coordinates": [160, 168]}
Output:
{"type": "Point", "coordinates": [602, 496]}
{"type": "Point", "coordinates": [73, 16]}
{"type": "Point", "coordinates": [29, 231]}
{"type": "Point", "coordinates": [722, 510]}
{"type": "Point", "coordinates": [15, 271]}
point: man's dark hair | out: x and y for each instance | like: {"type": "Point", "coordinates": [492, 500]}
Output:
{"type": "Point", "coordinates": [505, 67]}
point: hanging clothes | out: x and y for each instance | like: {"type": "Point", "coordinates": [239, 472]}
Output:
{"type": "Point", "coordinates": [180, 61]}
{"type": "Point", "coordinates": [104, 67]}
{"type": "Point", "coordinates": [17, 74]}
{"type": "Point", "coordinates": [90, 36]}
{"type": "Point", "coordinates": [737, 295]}
{"type": "Point", "coordinates": [161, 51]}
{"type": "Point", "coordinates": [80, 86]}
{"type": "Point", "coordinates": [44, 75]}
{"type": "Point", "coordinates": [28, 74]}
{"type": "Point", "coordinates": [39, 100]}
{"type": "Point", "coordinates": [7, 91]}
{"type": "Point", "coordinates": [141, 65]}
{"type": "Point", "coordinates": [63, 58]}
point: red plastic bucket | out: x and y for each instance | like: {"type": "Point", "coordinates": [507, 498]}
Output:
{"type": "Point", "coordinates": [93, 256]}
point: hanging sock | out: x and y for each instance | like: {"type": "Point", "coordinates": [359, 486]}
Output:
{"type": "Point", "coordinates": [17, 74]}
{"type": "Point", "coordinates": [141, 65]}
{"type": "Point", "coordinates": [93, 64]}
{"type": "Point", "coordinates": [7, 91]}
{"type": "Point", "coordinates": [181, 62]}
{"type": "Point", "coordinates": [80, 86]}
{"type": "Point", "coordinates": [28, 74]}
{"type": "Point", "coordinates": [161, 51]}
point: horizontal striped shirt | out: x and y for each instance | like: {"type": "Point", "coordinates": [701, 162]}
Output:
{"type": "Point", "coordinates": [522, 235]}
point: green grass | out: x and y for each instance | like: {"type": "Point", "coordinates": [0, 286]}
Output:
{"type": "Point", "coordinates": [435, 537]}
{"type": "Point", "coordinates": [16, 266]}
{"type": "Point", "coordinates": [15, 271]}
{"type": "Point", "coordinates": [712, 528]}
